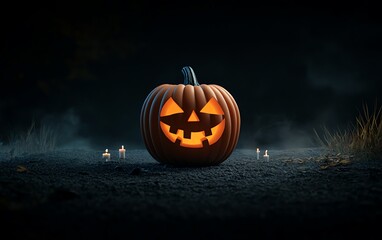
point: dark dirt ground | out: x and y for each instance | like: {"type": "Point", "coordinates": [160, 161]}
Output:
{"type": "Point", "coordinates": [74, 194]}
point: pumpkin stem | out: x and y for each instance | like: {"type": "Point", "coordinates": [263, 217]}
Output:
{"type": "Point", "coordinates": [189, 76]}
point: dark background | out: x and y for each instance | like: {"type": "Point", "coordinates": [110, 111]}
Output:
{"type": "Point", "coordinates": [87, 67]}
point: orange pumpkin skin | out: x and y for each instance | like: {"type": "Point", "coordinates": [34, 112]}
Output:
{"type": "Point", "coordinates": [190, 124]}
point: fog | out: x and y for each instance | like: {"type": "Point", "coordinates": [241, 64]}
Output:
{"type": "Point", "coordinates": [87, 70]}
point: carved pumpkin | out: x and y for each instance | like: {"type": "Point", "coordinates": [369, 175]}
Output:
{"type": "Point", "coordinates": [190, 124]}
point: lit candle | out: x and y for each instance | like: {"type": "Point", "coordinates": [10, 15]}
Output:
{"type": "Point", "coordinates": [266, 156]}
{"type": "Point", "coordinates": [122, 153]}
{"type": "Point", "coordinates": [106, 155]}
{"type": "Point", "coordinates": [258, 153]}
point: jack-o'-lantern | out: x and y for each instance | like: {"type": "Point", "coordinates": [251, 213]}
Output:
{"type": "Point", "coordinates": [190, 124]}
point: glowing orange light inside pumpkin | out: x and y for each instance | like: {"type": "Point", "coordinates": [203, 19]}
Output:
{"type": "Point", "coordinates": [197, 138]}
{"type": "Point", "coordinates": [193, 117]}
{"type": "Point", "coordinates": [212, 107]}
{"type": "Point", "coordinates": [170, 108]}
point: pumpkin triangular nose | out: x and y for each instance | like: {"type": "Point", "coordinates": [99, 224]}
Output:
{"type": "Point", "coordinates": [193, 117]}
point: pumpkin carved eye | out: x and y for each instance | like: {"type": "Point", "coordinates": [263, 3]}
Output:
{"type": "Point", "coordinates": [170, 108]}
{"type": "Point", "coordinates": [212, 107]}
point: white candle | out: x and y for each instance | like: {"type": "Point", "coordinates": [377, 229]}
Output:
{"type": "Point", "coordinates": [122, 153]}
{"type": "Point", "coordinates": [106, 155]}
{"type": "Point", "coordinates": [266, 156]}
{"type": "Point", "coordinates": [258, 153]}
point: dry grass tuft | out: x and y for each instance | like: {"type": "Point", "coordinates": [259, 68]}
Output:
{"type": "Point", "coordinates": [37, 139]}
{"type": "Point", "coordinates": [365, 137]}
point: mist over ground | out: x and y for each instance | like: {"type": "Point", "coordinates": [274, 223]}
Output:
{"type": "Point", "coordinates": [86, 69]}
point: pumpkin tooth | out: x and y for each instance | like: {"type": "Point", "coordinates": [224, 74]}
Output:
{"type": "Point", "coordinates": [173, 130]}
{"type": "Point", "coordinates": [187, 134]}
{"type": "Point", "coordinates": [207, 132]}
{"type": "Point", "coordinates": [205, 142]}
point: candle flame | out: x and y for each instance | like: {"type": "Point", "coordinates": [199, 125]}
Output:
{"type": "Point", "coordinates": [123, 147]}
{"type": "Point", "coordinates": [266, 153]}
{"type": "Point", "coordinates": [257, 150]}
{"type": "Point", "coordinates": [106, 150]}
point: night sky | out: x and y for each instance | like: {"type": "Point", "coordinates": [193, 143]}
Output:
{"type": "Point", "coordinates": [87, 68]}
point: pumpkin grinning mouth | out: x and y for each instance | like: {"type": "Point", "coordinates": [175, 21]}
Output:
{"type": "Point", "coordinates": [187, 134]}
{"type": "Point", "coordinates": [194, 139]}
